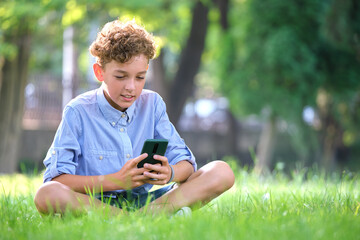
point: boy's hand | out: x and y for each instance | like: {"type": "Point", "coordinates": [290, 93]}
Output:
{"type": "Point", "coordinates": [158, 174]}
{"type": "Point", "coordinates": [130, 176]}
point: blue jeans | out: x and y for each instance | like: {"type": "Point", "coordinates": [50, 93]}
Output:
{"type": "Point", "coordinates": [132, 201]}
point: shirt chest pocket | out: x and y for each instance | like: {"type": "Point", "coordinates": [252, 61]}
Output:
{"type": "Point", "coordinates": [100, 162]}
{"type": "Point", "coordinates": [103, 155]}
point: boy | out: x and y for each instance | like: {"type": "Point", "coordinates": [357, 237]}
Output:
{"type": "Point", "coordinates": [97, 145]}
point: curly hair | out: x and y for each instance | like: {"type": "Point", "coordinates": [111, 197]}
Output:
{"type": "Point", "coordinates": [120, 41]}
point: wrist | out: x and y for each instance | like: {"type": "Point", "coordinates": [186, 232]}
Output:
{"type": "Point", "coordinates": [111, 182]}
{"type": "Point", "coordinates": [172, 174]}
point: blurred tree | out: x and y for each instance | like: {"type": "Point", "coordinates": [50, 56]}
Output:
{"type": "Point", "coordinates": [189, 63]}
{"type": "Point", "coordinates": [338, 100]}
{"type": "Point", "coordinates": [18, 21]}
{"type": "Point", "coordinates": [182, 84]}
{"type": "Point", "coordinates": [269, 64]}
{"type": "Point", "coordinates": [275, 58]}
{"type": "Point", "coordinates": [341, 26]}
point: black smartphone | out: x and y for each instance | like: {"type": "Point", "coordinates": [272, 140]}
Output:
{"type": "Point", "coordinates": [153, 147]}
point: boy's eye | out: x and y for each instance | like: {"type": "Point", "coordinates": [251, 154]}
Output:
{"type": "Point", "coordinates": [140, 77]}
{"type": "Point", "coordinates": [119, 77]}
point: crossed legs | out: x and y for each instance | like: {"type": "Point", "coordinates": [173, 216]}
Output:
{"type": "Point", "coordinates": [200, 188]}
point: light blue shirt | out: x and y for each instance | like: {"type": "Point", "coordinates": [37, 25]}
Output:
{"type": "Point", "coordinates": [94, 138]}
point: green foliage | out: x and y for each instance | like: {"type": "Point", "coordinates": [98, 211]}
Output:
{"type": "Point", "coordinates": [46, 21]}
{"type": "Point", "coordinates": [8, 50]}
{"type": "Point", "coordinates": [23, 18]}
{"type": "Point", "coordinates": [278, 55]}
{"type": "Point", "coordinates": [341, 25]}
{"type": "Point", "coordinates": [275, 207]}
{"type": "Point", "coordinates": [275, 63]}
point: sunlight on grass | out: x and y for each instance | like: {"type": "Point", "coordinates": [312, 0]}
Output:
{"type": "Point", "coordinates": [19, 184]}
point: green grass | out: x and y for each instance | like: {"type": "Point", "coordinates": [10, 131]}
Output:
{"type": "Point", "coordinates": [273, 207]}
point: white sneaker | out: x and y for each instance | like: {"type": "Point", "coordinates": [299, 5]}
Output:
{"type": "Point", "coordinates": [184, 211]}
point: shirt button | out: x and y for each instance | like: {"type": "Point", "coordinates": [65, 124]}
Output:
{"type": "Point", "coordinates": [53, 152]}
{"type": "Point", "coordinates": [128, 155]}
{"type": "Point", "coordinates": [123, 115]}
{"type": "Point", "coordinates": [113, 123]}
{"type": "Point", "coordinates": [101, 157]}
{"type": "Point", "coordinates": [129, 121]}
{"type": "Point", "coordinates": [122, 129]}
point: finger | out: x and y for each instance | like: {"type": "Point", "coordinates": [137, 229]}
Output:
{"type": "Point", "coordinates": [155, 175]}
{"type": "Point", "coordinates": [140, 178]}
{"type": "Point", "coordinates": [154, 167]}
{"type": "Point", "coordinates": [163, 159]}
{"type": "Point", "coordinates": [149, 166]}
{"type": "Point", "coordinates": [139, 159]}
{"type": "Point", "coordinates": [139, 171]}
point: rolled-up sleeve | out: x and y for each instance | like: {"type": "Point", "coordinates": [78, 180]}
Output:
{"type": "Point", "coordinates": [177, 149]}
{"type": "Point", "coordinates": [62, 157]}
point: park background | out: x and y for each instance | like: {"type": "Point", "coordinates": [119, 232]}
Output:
{"type": "Point", "coordinates": [272, 85]}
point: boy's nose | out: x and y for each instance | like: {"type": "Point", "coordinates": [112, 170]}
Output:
{"type": "Point", "coordinates": [130, 85]}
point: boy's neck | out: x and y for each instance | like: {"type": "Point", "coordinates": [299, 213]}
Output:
{"type": "Point", "coordinates": [112, 103]}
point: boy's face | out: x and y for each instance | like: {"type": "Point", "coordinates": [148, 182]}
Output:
{"type": "Point", "coordinates": [123, 82]}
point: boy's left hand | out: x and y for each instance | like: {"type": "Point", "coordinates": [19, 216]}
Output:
{"type": "Point", "coordinates": [158, 174]}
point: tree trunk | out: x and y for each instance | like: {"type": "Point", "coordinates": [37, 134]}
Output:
{"type": "Point", "coordinates": [266, 146]}
{"type": "Point", "coordinates": [233, 133]}
{"type": "Point", "coordinates": [223, 6]}
{"type": "Point", "coordinates": [156, 78]}
{"type": "Point", "coordinates": [328, 150]}
{"type": "Point", "coordinates": [69, 69]}
{"type": "Point", "coordinates": [331, 133]}
{"type": "Point", "coordinates": [14, 76]}
{"type": "Point", "coordinates": [331, 140]}
{"type": "Point", "coordinates": [183, 85]}
{"type": "Point", "coordinates": [2, 59]}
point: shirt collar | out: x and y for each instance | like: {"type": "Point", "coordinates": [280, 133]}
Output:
{"type": "Point", "coordinates": [112, 115]}
{"type": "Point", "coordinates": [130, 112]}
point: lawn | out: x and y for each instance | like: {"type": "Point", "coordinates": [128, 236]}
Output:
{"type": "Point", "coordinates": [306, 205]}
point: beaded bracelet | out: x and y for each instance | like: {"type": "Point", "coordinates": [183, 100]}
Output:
{"type": "Point", "coordinates": [172, 174]}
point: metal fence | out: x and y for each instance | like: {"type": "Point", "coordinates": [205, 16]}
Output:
{"type": "Point", "coordinates": [43, 103]}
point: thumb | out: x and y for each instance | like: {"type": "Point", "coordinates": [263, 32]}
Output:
{"type": "Point", "coordinates": [139, 158]}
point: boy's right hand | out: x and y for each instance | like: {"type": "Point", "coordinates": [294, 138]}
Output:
{"type": "Point", "coordinates": [130, 176]}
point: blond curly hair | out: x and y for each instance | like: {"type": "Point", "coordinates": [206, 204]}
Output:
{"type": "Point", "coordinates": [120, 41]}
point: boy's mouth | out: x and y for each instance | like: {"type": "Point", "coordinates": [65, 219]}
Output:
{"type": "Point", "coordinates": [127, 97]}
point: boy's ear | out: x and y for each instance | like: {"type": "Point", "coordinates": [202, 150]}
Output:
{"type": "Point", "coordinates": [98, 72]}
